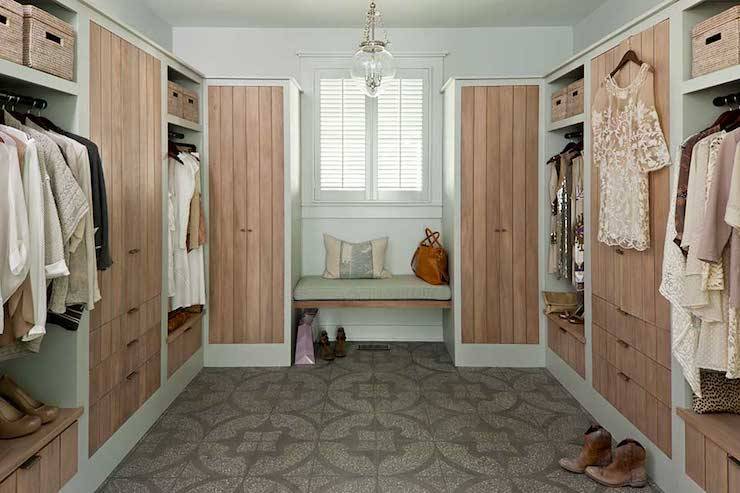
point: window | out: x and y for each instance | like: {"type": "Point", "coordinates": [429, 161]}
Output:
{"type": "Point", "coordinates": [373, 149]}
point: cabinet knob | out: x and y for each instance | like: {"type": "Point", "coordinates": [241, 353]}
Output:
{"type": "Point", "coordinates": [624, 377]}
{"type": "Point", "coordinates": [623, 343]}
{"type": "Point", "coordinates": [243, 230]}
{"type": "Point", "coordinates": [134, 251]}
{"type": "Point", "coordinates": [131, 375]}
{"type": "Point", "coordinates": [619, 251]}
{"type": "Point", "coordinates": [132, 311]}
{"type": "Point", "coordinates": [132, 343]}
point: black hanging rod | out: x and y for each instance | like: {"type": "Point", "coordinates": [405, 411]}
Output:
{"type": "Point", "coordinates": [175, 135]}
{"type": "Point", "coordinates": [574, 135]}
{"type": "Point", "coordinates": [729, 100]}
{"type": "Point", "coordinates": [20, 100]}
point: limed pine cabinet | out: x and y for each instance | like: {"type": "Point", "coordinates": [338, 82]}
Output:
{"type": "Point", "coordinates": [630, 319]}
{"type": "Point", "coordinates": [125, 337]}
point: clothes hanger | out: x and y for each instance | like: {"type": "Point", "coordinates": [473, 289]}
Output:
{"type": "Point", "coordinates": [173, 153]}
{"type": "Point", "coordinates": [628, 57]}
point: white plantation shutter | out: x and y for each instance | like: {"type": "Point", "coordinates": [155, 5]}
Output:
{"type": "Point", "coordinates": [400, 133]}
{"type": "Point", "coordinates": [342, 136]}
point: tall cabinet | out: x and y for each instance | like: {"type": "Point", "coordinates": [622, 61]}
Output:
{"type": "Point", "coordinates": [630, 323]}
{"type": "Point", "coordinates": [125, 336]}
{"type": "Point", "coordinates": [253, 179]}
{"type": "Point", "coordinates": [491, 191]}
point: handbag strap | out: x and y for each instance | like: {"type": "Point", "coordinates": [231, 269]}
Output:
{"type": "Point", "coordinates": [432, 238]}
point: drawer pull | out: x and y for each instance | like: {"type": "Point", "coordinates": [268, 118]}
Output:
{"type": "Point", "coordinates": [734, 460]}
{"type": "Point", "coordinates": [30, 462]}
{"type": "Point", "coordinates": [622, 343]}
{"type": "Point", "coordinates": [131, 375]}
{"type": "Point", "coordinates": [619, 251]}
{"type": "Point", "coordinates": [132, 311]}
{"type": "Point", "coordinates": [135, 341]}
{"type": "Point", "coordinates": [624, 377]}
{"type": "Point", "coordinates": [134, 251]}
{"type": "Point", "coordinates": [187, 329]}
{"type": "Point", "coordinates": [563, 330]}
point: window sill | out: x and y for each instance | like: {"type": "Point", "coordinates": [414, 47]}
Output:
{"type": "Point", "coordinates": [371, 210]}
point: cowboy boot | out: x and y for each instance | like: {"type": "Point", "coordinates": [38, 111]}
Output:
{"type": "Point", "coordinates": [340, 347]}
{"type": "Point", "coordinates": [326, 352]}
{"type": "Point", "coordinates": [627, 469]}
{"type": "Point", "coordinates": [597, 451]}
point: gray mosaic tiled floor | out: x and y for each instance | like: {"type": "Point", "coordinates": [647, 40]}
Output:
{"type": "Point", "coordinates": [398, 421]}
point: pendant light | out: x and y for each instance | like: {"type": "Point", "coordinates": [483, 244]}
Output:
{"type": "Point", "coordinates": [373, 63]}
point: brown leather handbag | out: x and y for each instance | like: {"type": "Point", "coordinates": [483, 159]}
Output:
{"type": "Point", "coordinates": [430, 260]}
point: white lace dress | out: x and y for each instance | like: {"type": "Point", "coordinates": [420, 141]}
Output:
{"type": "Point", "coordinates": [628, 144]}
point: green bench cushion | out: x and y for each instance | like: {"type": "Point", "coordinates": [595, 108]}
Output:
{"type": "Point", "coordinates": [396, 288]}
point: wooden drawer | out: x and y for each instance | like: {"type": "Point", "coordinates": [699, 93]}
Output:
{"type": "Point", "coordinates": [10, 484]}
{"type": "Point", "coordinates": [568, 347]}
{"type": "Point", "coordinates": [648, 374]}
{"type": "Point", "coordinates": [649, 339]}
{"type": "Point", "coordinates": [182, 345]}
{"type": "Point", "coordinates": [636, 404]}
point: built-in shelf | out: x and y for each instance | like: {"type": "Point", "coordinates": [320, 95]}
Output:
{"type": "Point", "coordinates": [18, 450]}
{"type": "Point", "coordinates": [26, 75]}
{"type": "Point", "coordinates": [576, 330]}
{"type": "Point", "coordinates": [721, 77]}
{"type": "Point", "coordinates": [184, 327]}
{"type": "Point", "coordinates": [722, 429]}
{"type": "Point", "coordinates": [184, 124]}
{"type": "Point", "coordinates": [568, 122]}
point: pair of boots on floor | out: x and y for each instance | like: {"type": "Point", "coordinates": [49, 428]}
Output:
{"type": "Point", "coordinates": [340, 346]}
{"type": "Point", "coordinates": [626, 467]}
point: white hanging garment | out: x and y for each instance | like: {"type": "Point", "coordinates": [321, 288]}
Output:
{"type": "Point", "coordinates": [14, 232]}
{"type": "Point", "coordinates": [187, 286]}
{"type": "Point", "coordinates": [33, 189]}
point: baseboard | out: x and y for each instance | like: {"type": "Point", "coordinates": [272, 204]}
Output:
{"type": "Point", "coordinates": [247, 355]}
{"type": "Point", "coordinates": [661, 468]}
{"type": "Point", "coordinates": [95, 471]}
{"type": "Point", "coordinates": [499, 355]}
{"type": "Point", "coordinates": [388, 333]}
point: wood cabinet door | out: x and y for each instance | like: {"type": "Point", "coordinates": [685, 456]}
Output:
{"type": "Point", "coordinates": [125, 123]}
{"type": "Point", "coordinates": [499, 146]}
{"type": "Point", "coordinates": [246, 148]}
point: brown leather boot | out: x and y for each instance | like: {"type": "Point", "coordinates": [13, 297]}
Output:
{"type": "Point", "coordinates": [326, 352]}
{"type": "Point", "coordinates": [597, 451]}
{"type": "Point", "coordinates": [14, 424]}
{"type": "Point", "coordinates": [627, 469]}
{"type": "Point", "coordinates": [24, 402]}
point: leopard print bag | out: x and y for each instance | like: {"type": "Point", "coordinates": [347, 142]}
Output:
{"type": "Point", "coordinates": [719, 394]}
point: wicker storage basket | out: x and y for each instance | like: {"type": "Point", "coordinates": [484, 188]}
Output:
{"type": "Point", "coordinates": [190, 106]}
{"type": "Point", "coordinates": [716, 42]}
{"type": "Point", "coordinates": [174, 99]}
{"type": "Point", "coordinates": [48, 43]}
{"type": "Point", "coordinates": [559, 105]}
{"type": "Point", "coordinates": [574, 104]}
{"type": "Point", "coordinates": [11, 31]}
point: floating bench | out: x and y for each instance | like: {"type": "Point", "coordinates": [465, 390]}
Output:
{"type": "Point", "coordinates": [396, 292]}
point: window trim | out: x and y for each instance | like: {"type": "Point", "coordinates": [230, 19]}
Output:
{"type": "Point", "coordinates": [310, 64]}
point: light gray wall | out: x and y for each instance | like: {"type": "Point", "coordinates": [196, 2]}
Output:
{"type": "Point", "coordinates": [607, 18]}
{"type": "Point", "coordinates": [138, 15]}
{"type": "Point", "coordinates": [272, 52]}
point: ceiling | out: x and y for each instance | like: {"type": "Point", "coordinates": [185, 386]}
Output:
{"type": "Point", "coordinates": [350, 13]}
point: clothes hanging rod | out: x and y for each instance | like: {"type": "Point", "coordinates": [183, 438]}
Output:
{"type": "Point", "coordinates": [574, 135]}
{"type": "Point", "coordinates": [18, 99]}
{"type": "Point", "coordinates": [176, 135]}
{"type": "Point", "coordinates": [729, 100]}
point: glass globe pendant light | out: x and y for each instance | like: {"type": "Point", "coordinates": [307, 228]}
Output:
{"type": "Point", "coordinates": [373, 63]}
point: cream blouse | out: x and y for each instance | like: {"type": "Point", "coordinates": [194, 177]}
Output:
{"type": "Point", "coordinates": [628, 144]}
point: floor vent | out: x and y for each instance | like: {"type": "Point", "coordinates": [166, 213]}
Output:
{"type": "Point", "coordinates": [373, 347]}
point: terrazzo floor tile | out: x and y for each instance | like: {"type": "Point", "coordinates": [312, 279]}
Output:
{"type": "Point", "coordinates": [404, 420]}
